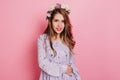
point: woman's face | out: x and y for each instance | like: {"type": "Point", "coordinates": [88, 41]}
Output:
{"type": "Point", "coordinates": [58, 23]}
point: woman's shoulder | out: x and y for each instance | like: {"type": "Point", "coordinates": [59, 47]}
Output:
{"type": "Point", "coordinates": [42, 36]}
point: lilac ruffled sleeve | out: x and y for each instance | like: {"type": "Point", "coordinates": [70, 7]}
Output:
{"type": "Point", "coordinates": [75, 70]}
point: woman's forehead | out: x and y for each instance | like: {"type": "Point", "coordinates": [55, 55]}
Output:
{"type": "Point", "coordinates": [58, 16]}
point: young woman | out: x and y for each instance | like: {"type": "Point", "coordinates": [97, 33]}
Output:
{"type": "Point", "coordinates": [55, 47]}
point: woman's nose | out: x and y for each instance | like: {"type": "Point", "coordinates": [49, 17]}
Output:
{"type": "Point", "coordinates": [60, 24]}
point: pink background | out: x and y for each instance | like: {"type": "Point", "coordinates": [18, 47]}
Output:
{"type": "Point", "coordinates": [96, 29]}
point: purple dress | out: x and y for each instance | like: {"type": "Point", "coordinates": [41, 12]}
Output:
{"type": "Point", "coordinates": [54, 68]}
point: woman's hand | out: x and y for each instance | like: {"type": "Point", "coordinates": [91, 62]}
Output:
{"type": "Point", "coordinates": [69, 70]}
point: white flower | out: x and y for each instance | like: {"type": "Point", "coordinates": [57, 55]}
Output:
{"type": "Point", "coordinates": [63, 6]}
{"type": "Point", "coordinates": [48, 14]}
{"type": "Point", "coordinates": [67, 8]}
{"type": "Point", "coordinates": [52, 8]}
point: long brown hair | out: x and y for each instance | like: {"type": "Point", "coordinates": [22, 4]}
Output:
{"type": "Point", "coordinates": [66, 34]}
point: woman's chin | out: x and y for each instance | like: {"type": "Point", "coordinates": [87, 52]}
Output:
{"type": "Point", "coordinates": [58, 32]}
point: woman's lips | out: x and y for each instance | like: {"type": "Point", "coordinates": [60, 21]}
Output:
{"type": "Point", "coordinates": [58, 29]}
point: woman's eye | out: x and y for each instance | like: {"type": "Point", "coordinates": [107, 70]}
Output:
{"type": "Point", "coordinates": [55, 20]}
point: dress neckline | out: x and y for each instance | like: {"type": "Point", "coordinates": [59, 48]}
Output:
{"type": "Point", "coordinates": [56, 41]}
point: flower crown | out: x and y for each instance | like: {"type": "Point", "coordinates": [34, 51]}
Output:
{"type": "Point", "coordinates": [57, 6]}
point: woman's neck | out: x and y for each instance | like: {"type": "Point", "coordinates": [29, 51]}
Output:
{"type": "Point", "coordinates": [57, 37]}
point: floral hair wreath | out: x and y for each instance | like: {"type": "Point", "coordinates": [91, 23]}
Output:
{"type": "Point", "coordinates": [57, 6]}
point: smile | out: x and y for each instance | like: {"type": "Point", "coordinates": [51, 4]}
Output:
{"type": "Point", "coordinates": [58, 29]}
